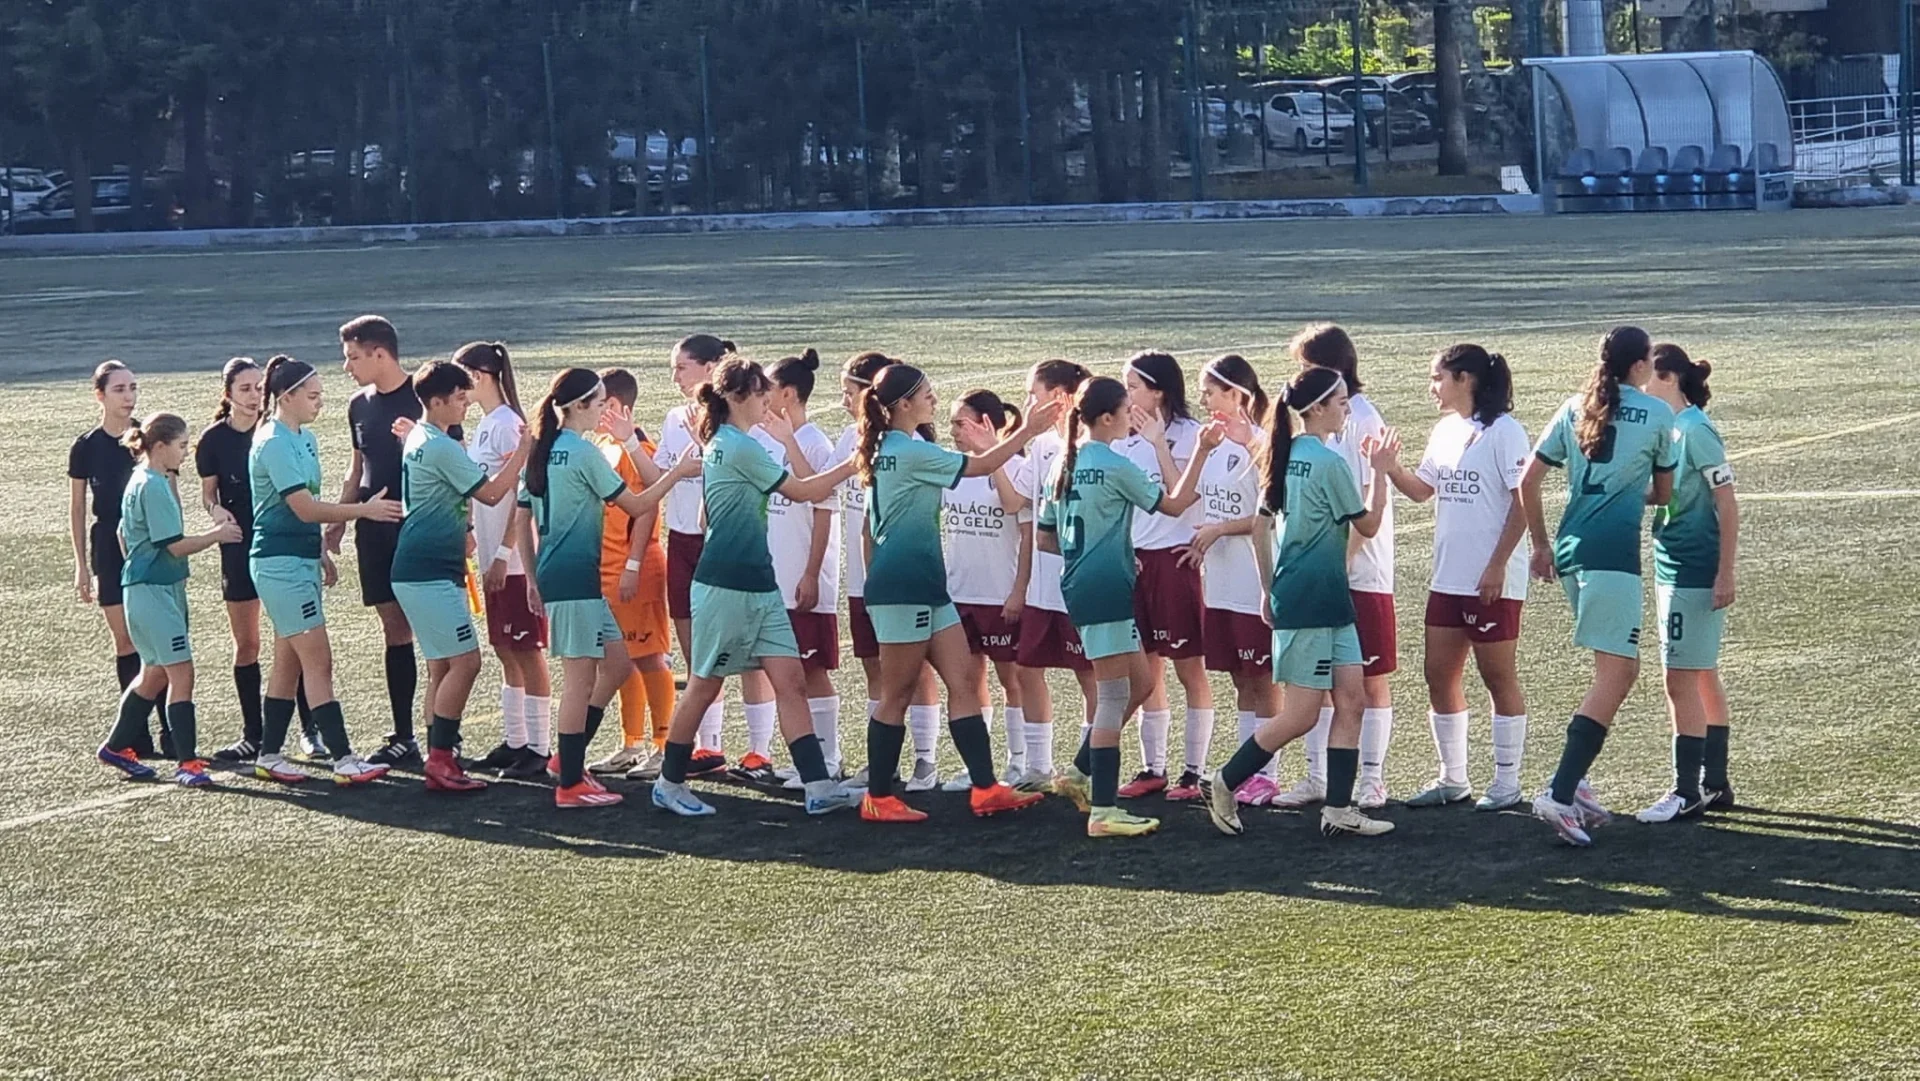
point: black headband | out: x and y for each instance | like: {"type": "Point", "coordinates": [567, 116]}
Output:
{"type": "Point", "coordinates": [919, 380]}
{"type": "Point", "coordinates": [287, 376]}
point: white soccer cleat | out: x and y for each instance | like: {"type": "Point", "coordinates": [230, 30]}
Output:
{"type": "Point", "coordinates": [1335, 820]}
{"type": "Point", "coordinates": [826, 797]}
{"type": "Point", "coordinates": [926, 776]}
{"type": "Point", "coordinates": [1222, 807]}
{"type": "Point", "coordinates": [1500, 798]}
{"type": "Point", "coordinates": [679, 799]}
{"type": "Point", "coordinates": [352, 769]}
{"type": "Point", "coordinates": [1304, 793]}
{"type": "Point", "coordinates": [1565, 819]}
{"type": "Point", "coordinates": [1591, 812]}
{"type": "Point", "coordinates": [1372, 795]}
{"type": "Point", "coordinates": [648, 768]}
{"type": "Point", "coordinates": [622, 760]}
{"type": "Point", "coordinates": [1671, 806]}
{"type": "Point", "coordinates": [959, 782]}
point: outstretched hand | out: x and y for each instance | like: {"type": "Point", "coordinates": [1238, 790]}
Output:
{"type": "Point", "coordinates": [617, 422]}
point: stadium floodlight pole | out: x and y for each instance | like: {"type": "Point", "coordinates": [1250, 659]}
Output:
{"type": "Point", "coordinates": [1026, 112]}
{"type": "Point", "coordinates": [1359, 128]}
{"type": "Point", "coordinates": [1906, 93]}
{"type": "Point", "coordinates": [553, 129]}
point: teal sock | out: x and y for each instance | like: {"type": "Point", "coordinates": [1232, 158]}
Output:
{"type": "Point", "coordinates": [276, 716]}
{"type": "Point", "coordinates": [333, 729]}
{"type": "Point", "coordinates": [186, 731]}
{"type": "Point", "coordinates": [1714, 756]}
{"type": "Point", "coordinates": [1688, 751]}
{"type": "Point", "coordinates": [131, 723]}
{"type": "Point", "coordinates": [1585, 737]}
{"type": "Point", "coordinates": [1343, 765]}
{"type": "Point", "coordinates": [443, 734]}
{"type": "Point", "coordinates": [976, 749]}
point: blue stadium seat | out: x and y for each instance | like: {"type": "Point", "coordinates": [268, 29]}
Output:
{"type": "Point", "coordinates": [1650, 179]}
{"type": "Point", "coordinates": [1687, 179]}
{"type": "Point", "coordinates": [1727, 180]}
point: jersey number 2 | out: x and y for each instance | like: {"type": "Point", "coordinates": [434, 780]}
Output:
{"type": "Point", "coordinates": [1602, 455]}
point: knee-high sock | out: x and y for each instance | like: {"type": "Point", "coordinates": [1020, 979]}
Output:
{"type": "Point", "coordinates": [633, 711]}
{"type": "Point", "coordinates": [660, 702]}
{"type": "Point", "coordinates": [131, 721]}
{"type": "Point", "coordinates": [1245, 725]}
{"type": "Point", "coordinates": [403, 685]}
{"type": "Point", "coordinates": [1585, 737]}
{"type": "Point", "coordinates": [1343, 763]}
{"type": "Point", "coordinates": [1450, 744]}
{"type": "Point", "coordinates": [573, 758]}
{"type": "Point", "coordinates": [976, 749]}
{"type": "Point", "coordinates": [246, 687]}
{"type": "Point", "coordinates": [1376, 734]}
{"type": "Point", "coordinates": [1040, 746]}
{"type": "Point", "coordinates": [185, 729]}
{"type": "Point", "coordinates": [1509, 749]}
{"type": "Point", "coordinates": [1109, 715]}
{"type": "Point", "coordinates": [883, 756]}
{"type": "Point", "coordinates": [443, 733]}
{"type": "Point", "coordinates": [1713, 764]}
{"type": "Point", "coordinates": [513, 715]}
{"type": "Point", "coordinates": [711, 724]}
{"type": "Point", "coordinates": [1199, 739]}
{"type": "Point", "coordinates": [924, 723]}
{"type": "Point", "coordinates": [825, 714]}
{"type": "Point", "coordinates": [1248, 759]}
{"type": "Point", "coordinates": [305, 709]}
{"type": "Point", "coordinates": [276, 716]}
{"type": "Point", "coordinates": [1155, 724]}
{"type": "Point", "coordinates": [539, 720]}
{"type": "Point", "coordinates": [1316, 744]}
{"type": "Point", "coordinates": [1016, 722]}
{"type": "Point", "coordinates": [762, 719]}
{"type": "Point", "coordinates": [333, 729]}
{"type": "Point", "coordinates": [1688, 754]}
{"type": "Point", "coordinates": [595, 716]}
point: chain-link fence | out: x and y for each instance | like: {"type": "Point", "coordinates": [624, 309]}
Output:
{"type": "Point", "coordinates": [228, 113]}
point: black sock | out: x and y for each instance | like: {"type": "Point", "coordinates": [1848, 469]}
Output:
{"type": "Point", "coordinates": [307, 727]}
{"type": "Point", "coordinates": [1343, 764]}
{"type": "Point", "coordinates": [276, 714]}
{"type": "Point", "coordinates": [125, 667]}
{"type": "Point", "coordinates": [131, 723]}
{"type": "Point", "coordinates": [595, 714]}
{"type": "Point", "coordinates": [883, 756]}
{"type": "Point", "coordinates": [185, 729]}
{"type": "Point", "coordinates": [1585, 737]}
{"type": "Point", "coordinates": [1083, 758]}
{"type": "Point", "coordinates": [1688, 751]}
{"type": "Point", "coordinates": [809, 760]}
{"type": "Point", "coordinates": [167, 749]}
{"type": "Point", "coordinates": [333, 729]}
{"type": "Point", "coordinates": [443, 734]}
{"type": "Point", "coordinates": [976, 749]}
{"type": "Point", "coordinates": [403, 679]}
{"type": "Point", "coordinates": [1106, 774]}
{"type": "Point", "coordinates": [1714, 758]}
{"type": "Point", "coordinates": [573, 758]}
{"type": "Point", "coordinates": [246, 685]}
{"type": "Point", "coordinates": [1248, 759]}
{"type": "Point", "coordinates": [674, 770]}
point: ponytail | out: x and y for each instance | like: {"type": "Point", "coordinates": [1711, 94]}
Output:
{"type": "Point", "coordinates": [230, 371]}
{"type": "Point", "coordinates": [734, 379]}
{"type": "Point", "coordinates": [1096, 398]}
{"type": "Point", "coordinates": [1308, 389]}
{"type": "Point", "coordinates": [1492, 380]}
{"type": "Point", "coordinates": [1060, 374]}
{"type": "Point", "coordinates": [491, 358]}
{"type": "Point", "coordinates": [284, 374]}
{"type": "Point", "coordinates": [1620, 350]}
{"type": "Point", "coordinates": [569, 386]}
{"type": "Point", "coordinates": [796, 372]}
{"type": "Point", "coordinates": [1002, 416]}
{"type": "Point", "coordinates": [705, 348]}
{"type": "Point", "coordinates": [1235, 373]}
{"type": "Point", "coordinates": [1691, 374]}
{"type": "Point", "coordinates": [159, 428]}
{"type": "Point", "coordinates": [895, 384]}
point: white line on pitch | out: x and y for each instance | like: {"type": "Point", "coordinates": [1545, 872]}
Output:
{"type": "Point", "coordinates": [82, 807]}
{"type": "Point", "coordinates": [1883, 422]}
{"type": "Point", "coordinates": [1816, 497]}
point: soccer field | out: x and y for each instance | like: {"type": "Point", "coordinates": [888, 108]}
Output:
{"type": "Point", "coordinates": [258, 931]}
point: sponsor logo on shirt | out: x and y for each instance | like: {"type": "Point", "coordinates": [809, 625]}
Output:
{"type": "Point", "coordinates": [1631, 414]}
{"type": "Point", "coordinates": [976, 517]}
{"type": "Point", "coordinates": [1457, 483]}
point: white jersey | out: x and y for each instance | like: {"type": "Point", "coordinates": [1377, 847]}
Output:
{"type": "Point", "coordinates": [983, 540]}
{"type": "Point", "coordinates": [1371, 568]}
{"type": "Point", "coordinates": [853, 513]}
{"type": "Point", "coordinates": [1034, 480]}
{"type": "Point", "coordinates": [494, 441]}
{"type": "Point", "coordinates": [1230, 491]}
{"type": "Point", "coordinates": [790, 524]}
{"type": "Point", "coordinates": [1156, 531]}
{"type": "Point", "coordinates": [683, 503]}
{"type": "Point", "coordinates": [1474, 471]}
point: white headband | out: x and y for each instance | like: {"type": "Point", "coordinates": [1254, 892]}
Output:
{"type": "Point", "coordinates": [1213, 370]}
{"type": "Point", "coordinates": [1338, 382]}
{"type": "Point", "coordinates": [311, 372]}
{"type": "Point", "coordinates": [591, 391]}
{"type": "Point", "coordinates": [1142, 373]}
{"type": "Point", "coordinates": [859, 382]}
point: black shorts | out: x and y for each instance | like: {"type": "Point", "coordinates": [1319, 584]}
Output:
{"type": "Point", "coordinates": [374, 544]}
{"type": "Point", "coordinates": [107, 565]}
{"type": "Point", "coordinates": [236, 577]}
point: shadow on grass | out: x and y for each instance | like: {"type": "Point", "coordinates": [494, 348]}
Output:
{"type": "Point", "coordinates": [1755, 864]}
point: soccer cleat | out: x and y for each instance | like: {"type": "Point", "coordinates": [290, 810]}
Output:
{"type": "Point", "coordinates": [244, 750]}
{"type": "Point", "coordinates": [313, 748]}
{"type": "Point", "coordinates": [1671, 806]}
{"type": "Point", "coordinates": [648, 768]}
{"type": "Point", "coordinates": [1223, 804]}
{"type": "Point", "coordinates": [1306, 793]}
{"type": "Point", "coordinates": [1718, 799]}
{"type": "Point", "coordinates": [1441, 793]}
{"type": "Point", "coordinates": [1000, 798]}
{"type": "Point", "coordinates": [679, 799]}
{"type": "Point", "coordinates": [1565, 819]}
{"type": "Point", "coordinates": [705, 761]}
{"type": "Point", "coordinates": [445, 775]}
{"type": "Point", "coordinates": [1336, 820]}
{"type": "Point", "coordinates": [889, 809]}
{"type": "Point", "coordinates": [125, 761]}
{"type": "Point", "coordinates": [1591, 811]}
{"type": "Point", "coordinates": [826, 797]}
{"type": "Point", "coordinates": [1074, 785]}
{"type": "Point", "coordinates": [585, 795]}
{"type": "Point", "coordinates": [959, 782]}
{"type": "Point", "coordinates": [1372, 796]}
{"type": "Point", "coordinates": [621, 760]}
{"type": "Point", "coordinates": [1500, 799]}
{"type": "Point", "coordinates": [926, 776]}
{"type": "Point", "coordinates": [398, 753]}
{"type": "Point", "coordinates": [192, 774]}
{"type": "Point", "coordinates": [272, 767]}
{"type": "Point", "coordinates": [553, 766]}
{"type": "Point", "coordinates": [1114, 822]}
{"type": "Point", "coordinates": [503, 755]}
{"type": "Point", "coordinates": [351, 769]}
{"type": "Point", "coordinates": [1144, 783]}
{"type": "Point", "coordinates": [1256, 791]}
{"type": "Point", "coordinates": [1186, 788]}
{"type": "Point", "coordinates": [530, 766]}
{"type": "Point", "coordinates": [755, 768]}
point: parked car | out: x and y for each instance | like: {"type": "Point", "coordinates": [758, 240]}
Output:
{"type": "Point", "coordinates": [112, 207]}
{"type": "Point", "coordinates": [1384, 107]}
{"type": "Point", "coordinates": [21, 188]}
{"type": "Point", "coordinates": [1307, 121]}
{"type": "Point", "coordinates": [1245, 118]}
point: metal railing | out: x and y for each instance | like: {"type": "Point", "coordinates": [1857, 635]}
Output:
{"type": "Point", "coordinates": [1851, 137]}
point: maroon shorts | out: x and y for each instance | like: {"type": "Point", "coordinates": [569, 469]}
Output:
{"type": "Point", "coordinates": [1379, 637]}
{"type": "Point", "coordinates": [1166, 605]}
{"type": "Point", "coordinates": [513, 624]}
{"type": "Point", "coordinates": [988, 632]}
{"type": "Point", "coordinates": [683, 555]}
{"type": "Point", "coordinates": [1048, 640]}
{"type": "Point", "coordinates": [1496, 622]}
{"type": "Point", "coordinates": [860, 626]}
{"type": "Point", "coordinates": [818, 635]}
{"type": "Point", "coordinates": [1238, 643]}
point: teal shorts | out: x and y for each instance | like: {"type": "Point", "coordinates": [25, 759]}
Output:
{"type": "Point", "coordinates": [1606, 610]}
{"type": "Point", "coordinates": [904, 624]}
{"type": "Point", "coordinates": [1307, 656]}
{"type": "Point", "coordinates": [581, 628]}
{"type": "Point", "coordinates": [1114, 639]}
{"type": "Point", "coordinates": [157, 623]}
{"type": "Point", "coordinates": [289, 589]}
{"type": "Point", "coordinates": [441, 620]}
{"type": "Point", "coordinates": [1690, 628]}
{"type": "Point", "coordinates": [733, 629]}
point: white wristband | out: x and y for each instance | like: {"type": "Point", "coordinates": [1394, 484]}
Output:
{"type": "Point", "coordinates": [503, 552]}
{"type": "Point", "coordinates": [633, 445]}
{"type": "Point", "coordinates": [633, 564]}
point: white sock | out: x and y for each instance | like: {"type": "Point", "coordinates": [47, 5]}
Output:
{"type": "Point", "coordinates": [1199, 737]}
{"type": "Point", "coordinates": [825, 712]}
{"type": "Point", "coordinates": [1316, 742]}
{"type": "Point", "coordinates": [873, 708]}
{"type": "Point", "coordinates": [1376, 732]}
{"type": "Point", "coordinates": [1245, 725]}
{"type": "Point", "coordinates": [1273, 765]}
{"type": "Point", "coordinates": [762, 719]}
{"type": "Point", "coordinates": [539, 719]}
{"type": "Point", "coordinates": [1450, 743]}
{"type": "Point", "coordinates": [1154, 726]}
{"type": "Point", "coordinates": [924, 723]}
{"type": "Point", "coordinates": [1509, 747]}
{"type": "Point", "coordinates": [1016, 719]}
{"type": "Point", "coordinates": [513, 715]}
{"type": "Point", "coordinates": [711, 722]}
{"type": "Point", "coordinates": [1040, 746]}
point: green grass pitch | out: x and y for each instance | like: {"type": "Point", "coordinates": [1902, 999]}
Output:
{"type": "Point", "coordinates": [259, 932]}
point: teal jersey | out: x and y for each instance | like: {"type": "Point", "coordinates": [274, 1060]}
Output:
{"type": "Point", "coordinates": [904, 508]}
{"type": "Point", "coordinates": [436, 481]}
{"type": "Point", "coordinates": [149, 521]}
{"type": "Point", "coordinates": [1309, 587]}
{"type": "Point", "coordinates": [568, 518]}
{"type": "Point", "coordinates": [1686, 532]}
{"type": "Point", "coordinates": [1094, 522]}
{"type": "Point", "coordinates": [1607, 492]}
{"type": "Point", "coordinates": [736, 477]}
{"type": "Point", "coordinates": [283, 461]}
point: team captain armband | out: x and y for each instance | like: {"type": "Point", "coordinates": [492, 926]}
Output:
{"type": "Point", "coordinates": [1718, 476]}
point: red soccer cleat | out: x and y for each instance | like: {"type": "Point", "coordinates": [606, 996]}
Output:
{"type": "Point", "coordinates": [889, 809]}
{"type": "Point", "coordinates": [444, 774]}
{"type": "Point", "coordinates": [583, 795]}
{"type": "Point", "coordinates": [1000, 798]}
